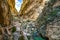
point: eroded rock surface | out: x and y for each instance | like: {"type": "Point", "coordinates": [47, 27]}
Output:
{"type": "Point", "coordinates": [31, 9]}
{"type": "Point", "coordinates": [44, 13]}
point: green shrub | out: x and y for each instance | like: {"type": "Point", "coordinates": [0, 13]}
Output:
{"type": "Point", "coordinates": [13, 29]}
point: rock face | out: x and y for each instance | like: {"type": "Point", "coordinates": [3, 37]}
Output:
{"type": "Point", "coordinates": [50, 20]}
{"type": "Point", "coordinates": [7, 8]}
{"type": "Point", "coordinates": [4, 16]}
{"type": "Point", "coordinates": [32, 8]}
{"type": "Point", "coordinates": [53, 27]}
{"type": "Point", "coordinates": [46, 13]}
{"type": "Point", "coordinates": [4, 12]}
{"type": "Point", "coordinates": [12, 7]}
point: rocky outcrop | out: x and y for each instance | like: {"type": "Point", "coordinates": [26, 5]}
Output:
{"type": "Point", "coordinates": [12, 7]}
{"type": "Point", "coordinates": [45, 13]}
{"type": "Point", "coordinates": [53, 27]}
{"type": "Point", "coordinates": [49, 22]}
{"type": "Point", "coordinates": [31, 9]}
{"type": "Point", "coordinates": [7, 8]}
{"type": "Point", "coordinates": [4, 13]}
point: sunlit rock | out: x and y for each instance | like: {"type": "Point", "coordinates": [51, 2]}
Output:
{"type": "Point", "coordinates": [31, 9]}
{"type": "Point", "coordinates": [4, 13]}
{"type": "Point", "coordinates": [12, 7]}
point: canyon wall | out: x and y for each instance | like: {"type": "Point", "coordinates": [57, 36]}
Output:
{"type": "Point", "coordinates": [7, 11]}
{"type": "Point", "coordinates": [49, 21]}
{"type": "Point", "coordinates": [12, 7]}
{"type": "Point", "coordinates": [7, 8]}
{"type": "Point", "coordinates": [4, 12]}
{"type": "Point", "coordinates": [45, 14]}
{"type": "Point", "coordinates": [32, 8]}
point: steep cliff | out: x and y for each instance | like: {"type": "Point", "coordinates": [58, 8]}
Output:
{"type": "Point", "coordinates": [45, 14]}
{"type": "Point", "coordinates": [4, 12]}
{"type": "Point", "coordinates": [7, 8]}
{"type": "Point", "coordinates": [5, 17]}
{"type": "Point", "coordinates": [49, 21]}
{"type": "Point", "coordinates": [12, 7]}
{"type": "Point", "coordinates": [32, 8]}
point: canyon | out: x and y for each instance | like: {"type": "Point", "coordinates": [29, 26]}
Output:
{"type": "Point", "coordinates": [41, 15]}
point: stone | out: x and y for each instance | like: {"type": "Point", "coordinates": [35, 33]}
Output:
{"type": "Point", "coordinates": [31, 9]}
{"type": "Point", "coordinates": [38, 11]}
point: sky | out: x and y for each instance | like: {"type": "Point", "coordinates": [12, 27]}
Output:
{"type": "Point", "coordinates": [18, 4]}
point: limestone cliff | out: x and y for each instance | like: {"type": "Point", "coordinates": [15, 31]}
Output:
{"type": "Point", "coordinates": [32, 8]}
{"type": "Point", "coordinates": [12, 7]}
{"type": "Point", "coordinates": [4, 13]}
{"type": "Point", "coordinates": [7, 8]}
{"type": "Point", "coordinates": [49, 21]}
{"type": "Point", "coordinates": [45, 14]}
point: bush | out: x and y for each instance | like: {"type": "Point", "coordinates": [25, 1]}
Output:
{"type": "Point", "coordinates": [13, 29]}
